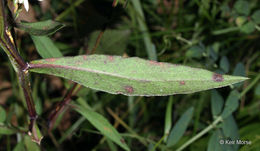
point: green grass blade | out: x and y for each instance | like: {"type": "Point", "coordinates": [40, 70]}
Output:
{"type": "Point", "coordinates": [150, 47]}
{"type": "Point", "coordinates": [99, 122]}
{"type": "Point", "coordinates": [132, 76]}
{"type": "Point", "coordinates": [168, 118]}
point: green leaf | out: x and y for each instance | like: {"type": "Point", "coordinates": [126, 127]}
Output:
{"type": "Point", "coordinates": [180, 127]}
{"type": "Point", "coordinates": [132, 76]}
{"type": "Point", "coordinates": [99, 122]}
{"type": "Point", "coordinates": [239, 70]}
{"type": "Point", "coordinates": [248, 28]}
{"type": "Point", "coordinates": [242, 7]}
{"type": "Point", "coordinates": [6, 131]}
{"type": "Point", "coordinates": [112, 42]}
{"type": "Point", "coordinates": [214, 142]}
{"type": "Point", "coordinates": [46, 47]}
{"type": "Point", "coordinates": [217, 103]}
{"type": "Point", "coordinates": [257, 90]}
{"type": "Point", "coordinates": [224, 64]}
{"type": "Point", "coordinates": [248, 132]}
{"type": "Point", "coordinates": [2, 114]}
{"type": "Point", "coordinates": [195, 52]}
{"type": "Point", "coordinates": [42, 28]}
{"type": "Point", "coordinates": [230, 130]}
{"type": "Point", "coordinates": [231, 104]}
{"type": "Point", "coordinates": [30, 145]}
{"type": "Point", "coordinates": [19, 147]}
{"type": "Point", "coordinates": [256, 16]}
{"type": "Point", "coordinates": [240, 20]}
{"type": "Point", "coordinates": [168, 118]}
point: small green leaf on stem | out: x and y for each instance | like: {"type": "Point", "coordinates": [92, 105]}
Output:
{"type": "Point", "coordinates": [6, 130]}
{"type": "Point", "coordinates": [180, 127]}
{"type": "Point", "coordinates": [231, 104]}
{"type": "Point", "coordinates": [217, 103]}
{"type": "Point", "coordinates": [45, 47]}
{"type": "Point", "coordinates": [42, 28]}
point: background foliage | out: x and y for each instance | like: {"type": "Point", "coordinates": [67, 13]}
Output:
{"type": "Point", "coordinates": [221, 36]}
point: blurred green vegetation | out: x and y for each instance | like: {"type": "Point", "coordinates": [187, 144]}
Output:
{"type": "Point", "coordinates": [220, 36]}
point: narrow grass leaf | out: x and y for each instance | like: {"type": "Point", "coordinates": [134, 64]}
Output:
{"type": "Point", "coordinates": [100, 123]}
{"type": "Point", "coordinates": [132, 76]}
{"type": "Point", "coordinates": [180, 127]}
{"type": "Point", "coordinates": [46, 47]}
{"type": "Point", "coordinates": [149, 46]}
{"type": "Point", "coordinates": [168, 118]}
{"type": "Point", "coordinates": [42, 28]}
{"type": "Point", "coordinates": [2, 114]}
{"type": "Point", "coordinates": [217, 103]}
{"type": "Point", "coordinates": [231, 104]}
{"type": "Point", "coordinates": [257, 90]}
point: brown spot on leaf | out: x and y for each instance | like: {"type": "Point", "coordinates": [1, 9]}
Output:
{"type": "Point", "coordinates": [45, 28]}
{"type": "Point", "coordinates": [182, 83]}
{"type": "Point", "coordinates": [122, 140]}
{"type": "Point", "coordinates": [155, 63]}
{"type": "Point", "coordinates": [217, 77]}
{"type": "Point", "coordinates": [129, 89]}
{"type": "Point", "coordinates": [50, 59]}
{"type": "Point", "coordinates": [79, 63]}
{"type": "Point", "coordinates": [107, 129]}
{"type": "Point", "coordinates": [110, 58]}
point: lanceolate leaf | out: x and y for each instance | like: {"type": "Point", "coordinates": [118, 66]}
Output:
{"type": "Point", "coordinates": [42, 28]}
{"type": "Point", "coordinates": [132, 76]}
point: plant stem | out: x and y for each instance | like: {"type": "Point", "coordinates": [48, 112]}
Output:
{"type": "Point", "coordinates": [60, 107]}
{"type": "Point", "coordinates": [249, 86]}
{"type": "Point", "coordinates": [25, 85]}
{"type": "Point", "coordinates": [193, 139]}
{"type": "Point", "coordinates": [21, 67]}
{"type": "Point", "coordinates": [7, 41]}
